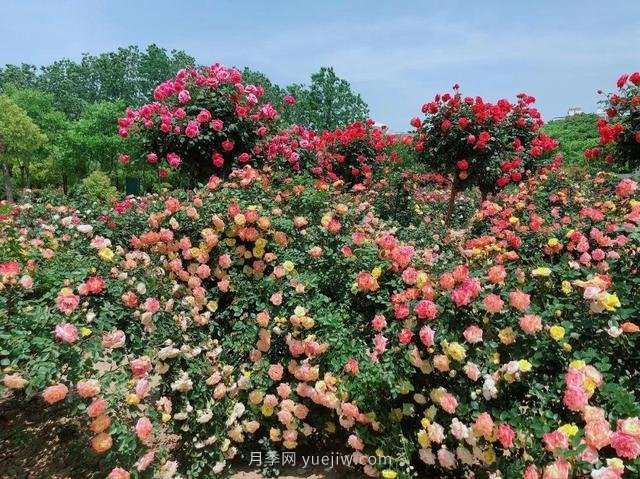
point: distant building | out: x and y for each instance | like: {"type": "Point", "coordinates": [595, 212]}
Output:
{"type": "Point", "coordinates": [576, 110]}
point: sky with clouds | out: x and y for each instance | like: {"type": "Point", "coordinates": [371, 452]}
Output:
{"type": "Point", "coordinates": [396, 54]}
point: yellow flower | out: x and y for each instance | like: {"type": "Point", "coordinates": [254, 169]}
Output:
{"type": "Point", "coordinates": [212, 306]}
{"type": "Point", "coordinates": [105, 254]}
{"type": "Point", "coordinates": [389, 474]}
{"type": "Point", "coordinates": [541, 272]}
{"type": "Point", "coordinates": [267, 411]}
{"type": "Point", "coordinates": [288, 266]}
{"type": "Point", "coordinates": [557, 332]}
{"type": "Point", "coordinates": [330, 427]}
{"type": "Point", "coordinates": [569, 233]}
{"type": "Point", "coordinates": [513, 220]}
{"type": "Point", "coordinates": [524, 365]}
{"type": "Point", "coordinates": [379, 452]}
{"type": "Point", "coordinates": [239, 219]}
{"type": "Point", "coordinates": [566, 287]}
{"type": "Point", "coordinates": [567, 347]}
{"type": "Point", "coordinates": [85, 331]}
{"type": "Point", "coordinates": [422, 279]}
{"type": "Point", "coordinates": [425, 422]}
{"type": "Point", "coordinates": [569, 429]}
{"type": "Point", "coordinates": [132, 399]}
{"type": "Point", "coordinates": [376, 272]}
{"type": "Point", "coordinates": [553, 242]}
{"type": "Point", "coordinates": [489, 456]}
{"type": "Point", "coordinates": [423, 438]}
{"type": "Point", "coordinates": [166, 417]}
{"type": "Point", "coordinates": [610, 302]}
{"type": "Point", "coordinates": [456, 351]}
{"type": "Point", "coordinates": [307, 322]}
{"type": "Point", "coordinates": [299, 311]}
{"type": "Point", "coordinates": [577, 364]}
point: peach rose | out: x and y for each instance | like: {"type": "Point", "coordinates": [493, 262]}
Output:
{"type": "Point", "coordinates": [55, 393]}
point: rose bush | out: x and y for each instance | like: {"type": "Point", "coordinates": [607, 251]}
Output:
{"type": "Point", "coordinates": [620, 130]}
{"type": "Point", "coordinates": [269, 312]}
{"type": "Point", "coordinates": [480, 143]}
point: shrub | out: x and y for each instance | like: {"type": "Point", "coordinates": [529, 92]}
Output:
{"type": "Point", "coordinates": [620, 131]}
{"type": "Point", "coordinates": [479, 143]}
{"type": "Point", "coordinates": [204, 122]}
{"type": "Point", "coordinates": [97, 186]}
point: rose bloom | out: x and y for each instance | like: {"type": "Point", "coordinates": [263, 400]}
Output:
{"type": "Point", "coordinates": [66, 332]}
{"type": "Point", "coordinates": [505, 435]}
{"type": "Point", "coordinates": [88, 389]}
{"type": "Point", "coordinates": [605, 473]}
{"type": "Point", "coordinates": [446, 458]}
{"type": "Point", "coordinates": [531, 473]}
{"type": "Point", "coordinates": [405, 336]}
{"type": "Point", "coordinates": [556, 470]}
{"type": "Point", "coordinates": [275, 372]}
{"type": "Point", "coordinates": [497, 274]}
{"type": "Point", "coordinates": [473, 334]}
{"type": "Point", "coordinates": [100, 424]}
{"type": "Point", "coordinates": [441, 363]}
{"type": "Point", "coordinates": [118, 473]}
{"type": "Point", "coordinates": [378, 322]}
{"type": "Point", "coordinates": [67, 302]}
{"type": "Point", "coordinates": [97, 407]}
{"type": "Point", "coordinates": [555, 439]}
{"type": "Point", "coordinates": [519, 300]}
{"type": "Point", "coordinates": [143, 428]}
{"type": "Point", "coordinates": [493, 303]}
{"type": "Point", "coordinates": [14, 381]}
{"type": "Point", "coordinates": [56, 393]}
{"type": "Point", "coordinates": [113, 339]}
{"type": "Point", "coordinates": [427, 336]}
{"type": "Point", "coordinates": [575, 398]}
{"type": "Point", "coordinates": [140, 367]}
{"type": "Point", "coordinates": [483, 425]}
{"type": "Point", "coordinates": [449, 403]}
{"type": "Point", "coordinates": [626, 446]}
{"type": "Point", "coordinates": [597, 434]}
{"type": "Point", "coordinates": [101, 442]}
{"type": "Point", "coordinates": [530, 323]}
{"type": "Point", "coordinates": [472, 371]}
{"type": "Point", "coordinates": [426, 309]}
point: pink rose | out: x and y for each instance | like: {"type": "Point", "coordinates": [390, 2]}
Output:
{"type": "Point", "coordinates": [427, 336]}
{"type": "Point", "coordinates": [66, 332]}
{"type": "Point", "coordinates": [143, 428]}
{"type": "Point", "coordinates": [145, 461]}
{"type": "Point", "coordinates": [140, 367]}
{"type": "Point", "coordinates": [530, 323]}
{"type": "Point", "coordinates": [493, 303]}
{"type": "Point", "coordinates": [88, 389]}
{"type": "Point", "coordinates": [275, 372]}
{"type": "Point", "coordinates": [473, 334]}
{"type": "Point", "coordinates": [426, 309]}
{"type": "Point", "coordinates": [505, 435]}
{"type": "Point", "coordinates": [113, 339]}
{"type": "Point", "coordinates": [14, 381]}
{"type": "Point", "coordinates": [56, 393]}
{"type": "Point", "coordinates": [118, 473]}
{"type": "Point", "coordinates": [626, 446]}
{"type": "Point", "coordinates": [519, 300]}
{"type": "Point", "coordinates": [575, 398]}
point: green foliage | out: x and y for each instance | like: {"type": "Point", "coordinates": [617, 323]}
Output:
{"type": "Point", "coordinates": [575, 134]}
{"type": "Point", "coordinates": [327, 103]}
{"type": "Point", "coordinates": [97, 186]}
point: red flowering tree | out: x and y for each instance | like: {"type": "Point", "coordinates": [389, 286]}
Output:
{"type": "Point", "coordinates": [620, 131]}
{"type": "Point", "coordinates": [488, 145]}
{"type": "Point", "coordinates": [203, 121]}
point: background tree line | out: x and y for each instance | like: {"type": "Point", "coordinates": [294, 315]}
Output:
{"type": "Point", "coordinates": [58, 122]}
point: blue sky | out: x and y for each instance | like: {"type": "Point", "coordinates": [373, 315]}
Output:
{"type": "Point", "coordinates": [397, 54]}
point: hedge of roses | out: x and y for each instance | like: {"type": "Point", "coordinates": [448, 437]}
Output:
{"type": "Point", "coordinates": [264, 312]}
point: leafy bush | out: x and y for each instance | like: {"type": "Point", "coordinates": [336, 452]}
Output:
{"type": "Point", "coordinates": [97, 186]}
{"type": "Point", "coordinates": [620, 132]}
{"type": "Point", "coordinates": [190, 329]}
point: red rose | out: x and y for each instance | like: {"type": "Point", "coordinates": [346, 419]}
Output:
{"type": "Point", "coordinates": [503, 181]}
{"type": "Point", "coordinates": [405, 336]}
{"type": "Point", "coordinates": [416, 122]}
{"type": "Point", "coordinates": [446, 125]}
{"type": "Point", "coordinates": [463, 165]}
{"type": "Point", "coordinates": [638, 137]}
{"type": "Point", "coordinates": [622, 80]}
{"type": "Point", "coordinates": [463, 122]}
{"type": "Point", "coordinates": [635, 78]}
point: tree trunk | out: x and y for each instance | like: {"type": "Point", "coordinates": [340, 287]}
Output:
{"type": "Point", "coordinates": [8, 190]}
{"type": "Point", "coordinates": [452, 202]}
{"type": "Point", "coordinates": [65, 183]}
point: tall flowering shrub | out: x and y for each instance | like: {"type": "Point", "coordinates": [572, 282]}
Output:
{"type": "Point", "coordinates": [489, 145]}
{"type": "Point", "coordinates": [620, 130]}
{"type": "Point", "coordinates": [202, 122]}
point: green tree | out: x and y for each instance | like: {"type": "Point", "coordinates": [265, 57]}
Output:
{"type": "Point", "coordinates": [44, 166]}
{"type": "Point", "coordinates": [19, 137]}
{"type": "Point", "coordinates": [19, 76]}
{"type": "Point", "coordinates": [93, 142]}
{"type": "Point", "coordinates": [575, 134]}
{"type": "Point", "coordinates": [327, 103]}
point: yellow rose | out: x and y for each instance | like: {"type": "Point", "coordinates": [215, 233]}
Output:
{"type": "Point", "coordinates": [541, 272]}
{"type": "Point", "coordinates": [610, 302]}
{"type": "Point", "coordinates": [557, 332]}
{"type": "Point", "coordinates": [513, 220]}
{"type": "Point", "coordinates": [132, 400]}
{"type": "Point", "coordinates": [266, 411]}
{"type": "Point", "coordinates": [456, 351]}
{"type": "Point", "coordinates": [566, 287]}
{"type": "Point", "coordinates": [105, 254]}
{"type": "Point", "coordinates": [389, 474]}
{"type": "Point", "coordinates": [553, 242]}
{"type": "Point", "coordinates": [577, 364]}
{"type": "Point", "coordinates": [569, 429]}
{"type": "Point", "coordinates": [423, 438]}
{"type": "Point", "coordinates": [567, 347]}
{"type": "Point", "coordinates": [288, 266]}
{"type": "Point", "coordinates": [376, 272]}
{"type": "Point", "coordinates": [524, 365]}
{"type": "Point", "coordinates": [85, 332]}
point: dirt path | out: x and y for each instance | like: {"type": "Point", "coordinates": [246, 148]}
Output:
{"type": "Point", "coordinates": [39, 443]}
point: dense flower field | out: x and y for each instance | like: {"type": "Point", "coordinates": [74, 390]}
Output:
{"type": "Point", "coordinates": [265, 312]}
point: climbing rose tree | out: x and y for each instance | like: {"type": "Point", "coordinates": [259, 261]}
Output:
{"type": "Point", "coordinates": [620, 130]}
{"type": "Point", "coordinates": [204, 122]}
{"type": "Point", "coordinates": [488, 145]}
